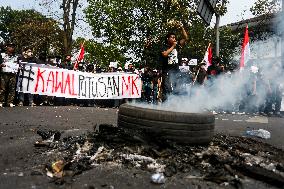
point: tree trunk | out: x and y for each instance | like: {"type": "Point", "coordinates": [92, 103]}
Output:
{"type": "Point", "coordinates": [69, 23]}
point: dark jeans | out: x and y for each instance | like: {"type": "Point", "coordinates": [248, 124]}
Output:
{"type": "Point", "coordinates": [147, 91]}
{"type": "Point", "coordinates": [26, 98]}
{"type": "Point", "coordinates": [169, 81]}
{"type": "Point", "coordinates": [155, 94]}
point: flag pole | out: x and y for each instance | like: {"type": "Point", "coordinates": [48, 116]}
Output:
{"type": "Point", "coordinates": [196, 76]}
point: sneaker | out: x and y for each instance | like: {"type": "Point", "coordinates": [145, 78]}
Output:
{"type": "Point", "coordinates": [20, 104]}
{"type": "Point", "coordinates": [32, 104]}
{"type": "Point", "coordinates": [1, 105]}
{"type": "Point", "coordinates": [11, 105]}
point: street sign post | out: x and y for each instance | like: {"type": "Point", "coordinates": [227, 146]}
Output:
{"type": "Point", "coordinates": [206, 10]}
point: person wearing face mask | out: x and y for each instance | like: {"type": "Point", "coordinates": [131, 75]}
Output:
{"type": "Point", "coordinates": [27, 57]}
{"type": "Point", "coordinates": [169, 60]}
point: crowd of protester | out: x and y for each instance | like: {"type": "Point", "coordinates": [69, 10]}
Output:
{"type": "Point", "coordinates": [9, 97]}
{"type": "Point", "coordinates": [260, 93]}
{"type": "Point", "coordinates": [186, 79]}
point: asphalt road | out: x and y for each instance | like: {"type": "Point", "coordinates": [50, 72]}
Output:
{"type": "Point", "coordinates": [19, 160]}
{"type": "Point", "coordinates": [239, 124]}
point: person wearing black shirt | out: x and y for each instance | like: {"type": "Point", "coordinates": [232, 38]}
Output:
{"type": "Point", "coordinates": [147, 80]}
{"type": "Point", "coordinates": [66, 64]}
{"type": "Point", "coordinates": [215, 69]}
{"type": "Point", "coordinates": [169, 60]}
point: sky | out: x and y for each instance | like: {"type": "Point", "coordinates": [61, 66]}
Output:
{"type": "Point", "coordinates": [237, 10]}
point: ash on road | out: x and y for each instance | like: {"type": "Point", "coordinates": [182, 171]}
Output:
{"type": "Point", "coordinates": [113, 158]}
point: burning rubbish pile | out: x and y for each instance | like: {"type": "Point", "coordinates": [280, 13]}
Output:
{"type": "Point", "coordinates": [226, 160]}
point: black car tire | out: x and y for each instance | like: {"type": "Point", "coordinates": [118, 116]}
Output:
{"type": "Point", "coordinates": [181, 127]}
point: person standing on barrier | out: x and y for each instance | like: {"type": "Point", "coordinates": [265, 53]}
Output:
{"type": "Point", "coordinates": [169, 60]}
{"type": "Point", "coordinates": [8, 71]}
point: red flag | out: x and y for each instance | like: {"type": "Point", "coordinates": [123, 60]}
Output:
{"type": "Point", "coordinates": [80, 56]}
{"type": "Point", "coordinates": [208, 56]}
{"type": "Point", "coordinates": [245, 50]}
{"type": "Point", "coordinates": [82, 53]}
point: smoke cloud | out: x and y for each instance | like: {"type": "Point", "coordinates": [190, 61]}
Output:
{"type": "Point", "coordinates": [233, 89]}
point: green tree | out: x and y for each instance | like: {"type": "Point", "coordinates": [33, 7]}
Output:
{"type": "Point", "coordinates": [66, 15]}
{"type": "Point", "coordinates": [30, 28]}
{"type": "Point", "coordinates": [229, 41]}
{"type": "Point", "coordinates": [262, 7]}
{"type": "Point", "coordinates": [98, 53]}
{"type": "Point", "coordinates": [265, 12]}
{"type": "Point", "coordinates": [129, 25]}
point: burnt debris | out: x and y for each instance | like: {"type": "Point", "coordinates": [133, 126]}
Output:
{"type": "Point", "coordinates": [227, 159]}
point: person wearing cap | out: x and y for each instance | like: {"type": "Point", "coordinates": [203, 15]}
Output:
{"type": "Point", "coordinates": [169, 59]}
{"type": "Point", "coordinates": [8, 71]}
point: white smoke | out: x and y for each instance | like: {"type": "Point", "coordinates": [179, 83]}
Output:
{"type": "Point", "coordinates": [228, 91]}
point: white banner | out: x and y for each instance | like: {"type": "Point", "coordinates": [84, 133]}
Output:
{"type": "Point", "coordinates": [192, 62]}
{"type": "Point", "coordinates": [74, 84]}
{"type": "Point", "coordinates": [184, 68]}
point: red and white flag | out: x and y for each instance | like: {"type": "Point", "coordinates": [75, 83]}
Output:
{"type": "Point", "coordinates": [245, 50]}
{"type": "Point", "coordinates": [80, 56]}
{"type": "Point", "coordinates": [208, 56]}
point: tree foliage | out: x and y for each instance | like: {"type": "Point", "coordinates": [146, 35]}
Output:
{"type": "Point", "coordinates": [30, 28]}
{"type": "Point", "coordinates": [125, 27]}
{"type": "Point", "coordinates": [67, 18]}
{"type": "Point", "coordinates": [262, 7]}
{"type": "Point", "coordinates": [229, 42]}
{"type": "Point", "coordinates": [98, 53]}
